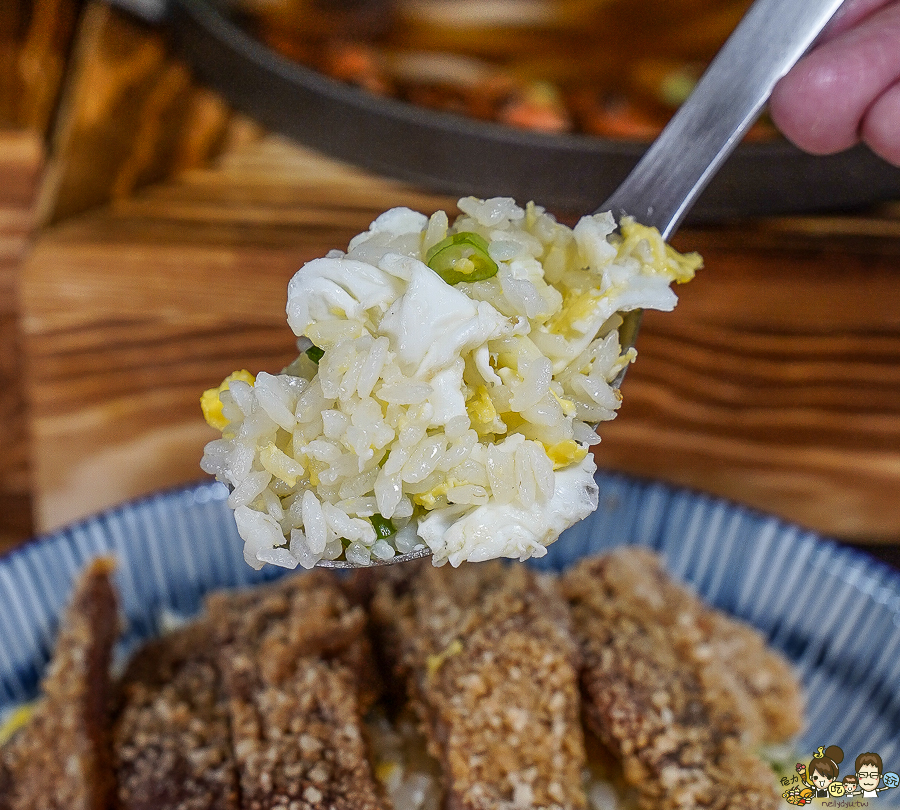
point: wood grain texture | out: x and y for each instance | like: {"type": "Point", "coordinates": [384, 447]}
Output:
{"type": "Point", "coordinates": [20, 161]}
{"type": "Point", "coordinates": [35, 38]}
{"type": "Point", "coordinates": [130, 115]}
{"type": "Point", "coordinates": [776, 382]}
{"type": "Point", "coordinates": [129, 314]}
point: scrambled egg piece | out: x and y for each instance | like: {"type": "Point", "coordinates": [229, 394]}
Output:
{"type": "Point", "coordinates": [578, 313]}
{"type": "Point", "coordinates": [681, 266]}
{"type": "Point", "coordinates": [429, 498]}
{"type": "Point", "coordinates": [385, 771]}
{"type": "Point", "coordinates": [211, 401]}
{"type": "Point", "coordinates": [434, 662]}
{"type": "Point", "coordinates": [562, 454]}
{"type": "Point", "coordinates": [481, 408]}
{"type": "Point", "coordinates": [568, 407]}
{"type": "Point", "coordinates": [483, 413]}
{"type": "Point", "coordinates": [17, 718]}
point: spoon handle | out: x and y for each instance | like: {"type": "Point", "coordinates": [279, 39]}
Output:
{"type": "Point", "coordinates": [769, 40]}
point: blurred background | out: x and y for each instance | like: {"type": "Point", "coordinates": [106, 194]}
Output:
{"type": "Point", "coordinates": [148, 231]}
{"type": "Point", "coordinates": [609, 68]}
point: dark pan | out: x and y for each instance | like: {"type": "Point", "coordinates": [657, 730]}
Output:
{"type": "Point", "coordinates": [460, 156]}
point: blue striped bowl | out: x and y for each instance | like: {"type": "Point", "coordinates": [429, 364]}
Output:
{"type": "Point", "coordinates": [833, 611]}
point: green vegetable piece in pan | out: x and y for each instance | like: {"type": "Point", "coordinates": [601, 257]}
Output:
{"type": "Point", "coordinates": [315, 354]}
{"type": "Point", "coordinates": [461, 257]}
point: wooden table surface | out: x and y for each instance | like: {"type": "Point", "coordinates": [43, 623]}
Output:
{"type": "Point", "coordinates": [775, 383]}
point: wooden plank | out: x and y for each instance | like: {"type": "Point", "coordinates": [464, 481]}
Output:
{"type": "Point", "coordinates": [20, 160]}
{"type": "Point", "coordinates": [130, 115]}
{"type": "Point", "coordinates": [35, 37]}
{"type": "Point", "coordinates": [130, 313]}
{"type": "Point", "coordinates": [775, 382]}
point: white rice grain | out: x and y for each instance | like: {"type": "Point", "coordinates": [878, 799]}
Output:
{"type": "Point", "coordinates": [526, 485]}
{"type": "Point", "coordinates": [383, 550]}
{"type": "Point", "coordinates": [300, 550]}
{"type": "Point", "coordinates": [334, 424]}
{"type": "Point", "coordinates": [277, 556]}
{"type": "Point", "coordinates": [249, 489]}
{"type": "Point", "coordinates": [275, 399]}
{"type": "Point", "coordinates": [259, 533]}
{"type": "Point", "coordinates": [372, 365]}
{"type": "Point", "coordinates": [423, 460]}
{"type": "Point", "coordinates": [501, 474]}
{"type": "Point", "coordinates": [399, 455]}
{"type": "Point", "coordinates": [242, 394]}
{"type": "Point", "coordinates": [406, 539]}
{"type": "Point", "coordinates": [361, 507]}
{"type": "Point", "coordinates": [314, 523]}
{"type": "Point", "coordinates": [458, 451]}
{"type": "Point", "coordinates": [534, 385]}
{"type": "Point", "coordinates": [273, 504]}
{"type": "Point", "coordinates": [358, 554]}
{"type": "Point", "coordinates": [388, 491]}
{"type": "Point", "coordinates": [359, 484]}
{"type": "Point", "coordinates": [333, 550]}
{"type": "Point", "coordinates": [491, 212]}
{"type": "Point", "coordinates": [468, 493]}
{"type": "Point", "coordinates": [342, 525]}
{"type": "Point", "coordinates": [404, 508]}
{"type": "Point", "coordinates": [256, 426]}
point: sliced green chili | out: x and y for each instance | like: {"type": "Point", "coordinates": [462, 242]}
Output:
{"type": "Point", "coordinates": [383, 526]}
{"type": "Point", "coordinates": [461, 257]}
{"type": "Point", "coordinates": [315, 354]}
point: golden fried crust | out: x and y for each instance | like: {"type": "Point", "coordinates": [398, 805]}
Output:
{"type": "Point", "coordinates": [292, 658]}
{"type": "Point", "coordinates": [61, 759]}
{"type": "Point", "coordinates": [492, 671]}
{"type": "Point", "coordinates": [6, 786]}
{"type": "Point", "coordinates": [660, 695]}
{"type": "Point", "coordinates": [171, 739]}
{"type": "Point", "coordinates": [759, 683]}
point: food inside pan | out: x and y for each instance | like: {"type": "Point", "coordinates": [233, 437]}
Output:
{"type": "Point", "coordinates": [609, 68]}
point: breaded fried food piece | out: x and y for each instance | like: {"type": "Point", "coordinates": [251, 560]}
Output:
{"type": "Point", "coordinates": [293, 657]}
{"type": "Point", "coordinates": [61, 759]}
{"type": "Point", "coordinates": [171, 738]}
{"type": "Point", "coordinates": [492, 672]}
{"type": "Point", "coordinates": [660, 693]}
{"type": "Point", "coordinates": [759, 683]}
{"type": "Point", "coordinates": [6, 786]}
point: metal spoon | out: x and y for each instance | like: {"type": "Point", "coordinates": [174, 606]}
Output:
{"type": "Point", "coordinates": [662, 187]}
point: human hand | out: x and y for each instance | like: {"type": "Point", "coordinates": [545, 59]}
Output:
{"type": "Point", "coordinates": [847, 88]}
